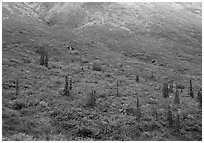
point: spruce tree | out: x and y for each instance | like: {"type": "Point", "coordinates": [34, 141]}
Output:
{"type": "Point", "coordinates": [117, 88]}
{"type": "Point", "coordinates": [156, 115]}
{"type": "Point", "coordinates": [152, 74]}
{"type": "Point", "coordinates": [165, 90]}
{"type": "Point", "coordinates": [137, 78]}
{"type": "Point", "coordinates": [42, 56]}
{"type": "Point", "coordinates": [70, 84]}
{"type": "Point", "coordinates": [171, 87]}
{"type": "Point", "coordinates": [169, 116]}
{"type": "Point", "coordinates": [91, 102]}
{"type": "Point", "coordinates": [138, 111]}
{"type": "Point", "coordinates": [66, 89]}
{"type": "Point", "coordinates": [17, 86]}
{"type": "Point", "coordinates": [177, 123]}
{"type": "Point", "coordinates": [46, 60]}
{"type": "Point", "coordinates": [199, 99]}
{"type": "Point", "coordinates": [191, 89]}
{"type": "Point", "coordinates": [176, 99]}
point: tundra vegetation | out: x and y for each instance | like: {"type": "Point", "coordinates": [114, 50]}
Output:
{"type": "Point", "coordinates": [101, 71]}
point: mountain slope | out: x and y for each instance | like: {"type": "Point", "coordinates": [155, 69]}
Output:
{"type": "Point", "coordinates": [124, 40]}
{"type": "Point", "coordinates": [165, 27]}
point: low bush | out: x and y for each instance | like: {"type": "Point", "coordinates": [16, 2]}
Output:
{"type": "Point", "coordinates": [19, 104]}
{"type": "Point", "coordinates": [96, 67]}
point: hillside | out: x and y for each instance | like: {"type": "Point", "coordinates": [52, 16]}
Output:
{"type": "Point", "coordinates": [112, 43]}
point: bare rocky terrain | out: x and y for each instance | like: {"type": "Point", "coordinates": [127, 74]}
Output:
{"type": "Point", "coordinates": [110, 44]}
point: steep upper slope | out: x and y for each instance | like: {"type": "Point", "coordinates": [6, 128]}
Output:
{"type": "Point", "coordinates": [133, 18]}
{"type": "Point", "coordinates": [165, 32]}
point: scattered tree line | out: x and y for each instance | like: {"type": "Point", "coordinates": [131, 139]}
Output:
{"type": "Point", "coordinates": [91, 97]}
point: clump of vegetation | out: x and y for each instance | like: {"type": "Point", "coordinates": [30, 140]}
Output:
{"type": "Point", "coordinates": [191, 89]}
{"type": "Point", "coordinates": [96, 67]}
{"type": "Point", "coordinates": [181, 87]}
{"type": "Point", "coordinates": [176, 99]}
{"type": "Point", "coordinates": [19, 104]}
{"type": "Point", "coordinates": [165, 90]}
{"type": "Point", "coordinates": [91, 99]}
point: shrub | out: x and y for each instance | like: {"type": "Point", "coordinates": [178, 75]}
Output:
{"type": "Point", "coordinates": [85, 132]}
{"type": "Point", "coordinates": [181, 87]}
{"type": "Point", "coordinates": [96, 67]}
{"type": "Point", "coordinates": [19, 104]}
